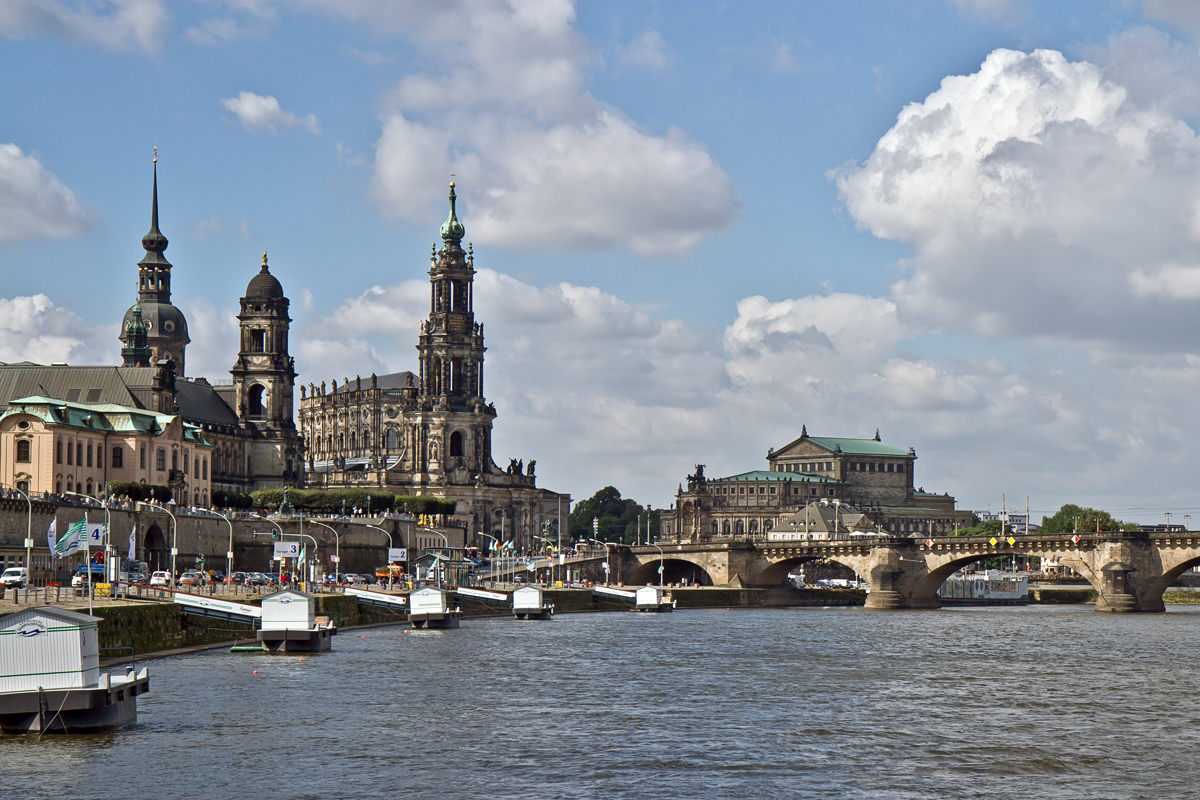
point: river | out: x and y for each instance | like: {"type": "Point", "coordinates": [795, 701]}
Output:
{"type": "Point", "coordinates": [998, 703]}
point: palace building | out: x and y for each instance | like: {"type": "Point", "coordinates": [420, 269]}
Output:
{"type": "Point", "coordinates": [813, 488]}
{"type": "Point", "coordinates": [429, 432]}
{"type": "Point", "coordinates": [240, 434]}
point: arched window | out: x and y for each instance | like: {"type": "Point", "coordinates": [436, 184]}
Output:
{"type": "Point", "coordinates": [741, 527]}
{"type": "Point", "coordinates": [118, 457]}
{"type": "Point", "coordinates": [754, 526]}
{"type": "Point", "coordinates": [254, 401]}
{"type": "Point", "coordinates": [727, 528]}
{"type": "Point", "coordinates": [204, 497]}
{"type": "Point", "coordinates": [143, 457]}
{"type": "Point", "coordinates": [341, 441]}
{"type": "Point", "coordinates": [70, 484]}
{"type": "Point", "coordinates": [174, 458]}
{"type": "Point", "coordinates": [23, 451]}
{"type": "Point", "coordinates": [196, 501]}
{"type": "Point", "coordinates": [716, 527]}
{"type": "Point", "coordinates": [185, 462]}
{"type": "Point", "coordinates": [79, 454]}
{"type": "Point", "coordinates": [456, 443]}
{"type": "Point", "coordinates": [58, 485]}
{"type": "Point", "coordinates": [89, 487]}
{"type": "Point", "coordinates": [353, 438]}
{"type": "Point", "coordinates": [329, 444]}
{"type": "Point", "coordinates": [391, 439]}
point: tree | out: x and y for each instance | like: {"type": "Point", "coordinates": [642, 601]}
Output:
{"type": "Point", "coordinates": [619, 517]}
{"type": "Point", "coordinates": [1072, 518]}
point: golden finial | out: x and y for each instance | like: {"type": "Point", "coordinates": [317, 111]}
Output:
{"type": "Point", "coordinates": [264, 258]}
{"type": "Point", "coordinates": [451, 180]}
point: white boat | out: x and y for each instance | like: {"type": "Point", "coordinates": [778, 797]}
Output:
{"type": "Point", "coordinates": [990, 588]}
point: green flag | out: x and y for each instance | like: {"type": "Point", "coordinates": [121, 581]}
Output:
{"type": "Point", "coordinates": [72, 541]}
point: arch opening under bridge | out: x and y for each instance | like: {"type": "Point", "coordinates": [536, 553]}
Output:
{"type": "Point", "coordinates": [675, 570]}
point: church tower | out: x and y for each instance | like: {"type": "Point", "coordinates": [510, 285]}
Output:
{"type": "Point", "coordinates": [165, 326]}
{"type": "Point", "coordinates": [136, 352]}
{"type": "Point", "coordinates": [450, 349]}
{"type": "Point", "coordinates": [263, 378]}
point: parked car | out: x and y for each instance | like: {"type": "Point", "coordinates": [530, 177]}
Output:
{"type": "Point", "coordinates": [238, 578]}
{"type": "Point", "coordinates": [160, 578]}
{"type": "Point", "coordinates": [256, 579]}
{"type": "Point", "coordinates": [15, 578]}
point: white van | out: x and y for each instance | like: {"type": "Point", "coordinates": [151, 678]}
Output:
{"type": "Point", "coordinates": [15, 577]}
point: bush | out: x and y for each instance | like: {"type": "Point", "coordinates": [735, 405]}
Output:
{"type": "Point", "coordinates": [334, 501]}
{"type": "Point", "coordinates": [224, 499]}
{"type": "Point", "coordinates": [139, 491]}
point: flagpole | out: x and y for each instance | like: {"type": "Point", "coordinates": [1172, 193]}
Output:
{"type": "Point", "coordinates": [87, 551]}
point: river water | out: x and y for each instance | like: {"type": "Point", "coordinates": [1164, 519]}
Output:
{"type": "Point", "coordinates": [997, 703]}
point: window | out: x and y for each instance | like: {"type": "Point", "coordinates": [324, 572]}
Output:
{"type": "Point", "coordinates": [118, 457]}
{"type": "Point", "coordinates": [161, 460]}
{"type": "Point", "coordinates": [143, 457]}
{"type": "Point", "coordinates": [70, 453]}
{"type": "Point", "coordinates": [174, 459]}
{"type": "Point", "coordinates": [742, 489]}
{"type": "Point", "coordinates": [899, 468]}
{"type": "Point", "coordinates": [99, 456]}
{"type": "Point", "coordinates": [58, 452]}
{"type": "Point", "coordinates": [353, 440]}
{"type": "Point", "coordinates": [391, 439]}
{"type": "Point", "coordinates": [772, 490]}
{"type": "Point", "coordinates": [891, 468]}
{"type": "Point", "coordinates": [185, 462]}
{"type": "Point", "coordinates": [456, 443]}
{"type": "Point", "coordinates": [89, 486]}
{"type": "Point", "coordinates": [79, 454]}
{"type": "Point", "coordinates": [58, 486]}
{"type": "Point", "coordinates": [23, 451]}
{"type": "Point", "coordinates": [89, 454]}
{"type": "Point", "coordinates": [254, 402]}
{"type": "Point", "coordinates": [70, 485]}
{"type": "Point", "coordinates": [258, 341]}
{"type": "Point", "coordinates": [204, 476]}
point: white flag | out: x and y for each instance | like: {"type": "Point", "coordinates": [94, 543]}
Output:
{"type": "Point", "coordinates": [133, 543]}
{"type": "Point", "coordinates": [52, 533]}
{"type": "Point", "coordinates": [72, 541]}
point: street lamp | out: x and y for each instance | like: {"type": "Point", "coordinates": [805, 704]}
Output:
{"type": "Point", "coordinates": [337, 556]}
{"type": "Point", "coordinates": [493, 560]}
{"type": "Point", "coordinates": [29, 535]}
{"type": "Point", "coordinates": [549, 544]}
{"type": "Point", "coordinates": [448, 553]}
{"type": "Point", "coordinates": [174, 536]}
{"type": "Point", "coordinates": [607, 558]}
{"type": "Point", "coordinates": [661, 559]}
{"type": "Point", "coordinates": [389, 535]}
{"type": "Point", "coordinates": [229, 552]}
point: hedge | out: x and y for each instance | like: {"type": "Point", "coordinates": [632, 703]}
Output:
{"type": "Point", "coordinates": [333, 501]}
{"type": "Point", "coordinates": [225, 499]}
{"type": "Point", "coordinates": [140, 491]}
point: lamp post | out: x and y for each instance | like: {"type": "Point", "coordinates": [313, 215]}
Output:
{"type": "Point", "coordinates": [447, 543]}
{"type": "Point", "coordinates": [661, 559]}
{"type": "Point", "coordinates": [273, 522]}
{"type": "Point", "coordinates": [492, 560]}
{"type": "Point", "coordinates": [107, 549]}
{"type": "Point", "coordinates": [229, 552]}
{"type": "Point", "coordinates": [607, 558]}
{"type": "Point", "coordinates": [174, 536]}
{"type": "Point", "coordinates": [29, 534]}
{"type": "Point", "coordinates": [337, 551]}
{"type": "Point", "coordinates": [389, 535]}
{"type": "Point", "coordinates": [550, 571]}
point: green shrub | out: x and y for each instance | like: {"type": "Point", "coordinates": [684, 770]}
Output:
{"type": "Point", "coordinates": [226, 499]}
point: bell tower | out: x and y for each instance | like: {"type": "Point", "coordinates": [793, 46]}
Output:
{"type": "Point", "coordinates": [163, 324]}
{"type": "Point", "coordinates": [450, 349]}
{"type": "Point", "coordinates": [263, 380]}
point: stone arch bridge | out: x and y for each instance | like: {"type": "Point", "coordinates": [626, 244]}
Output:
{"type": "Point", "coordinates": [1129, 571]}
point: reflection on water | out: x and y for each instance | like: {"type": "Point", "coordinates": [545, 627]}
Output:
{"type": "Point", "coordinates": [1006, 702]}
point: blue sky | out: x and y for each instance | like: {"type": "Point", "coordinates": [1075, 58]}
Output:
{"type": "Point", "coordinates": [706, 223]}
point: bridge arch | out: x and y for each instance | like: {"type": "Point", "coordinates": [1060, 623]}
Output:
{"type": "Point", "coordinates": [925, 592]}
{"type": "Point", "coordinates": [777, 572]}
{"type": "Point", "coordinates": [675, 570]}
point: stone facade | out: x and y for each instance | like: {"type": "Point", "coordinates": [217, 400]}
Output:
{"type": "Point", "coordinates": [430, 433]}
{"type": "Point", "coordinates": [867, 482]}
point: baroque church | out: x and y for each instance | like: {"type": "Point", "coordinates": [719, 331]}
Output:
{"type": "Point", "coordinates": [246, 421]}
{"type": "Point", "coordinates": [430, 432]}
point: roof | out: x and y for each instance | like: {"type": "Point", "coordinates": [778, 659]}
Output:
{"type": "Point", "coordinates": [264, 284]}
{"type": "Point", "coordinates": [51, 611]}
{"type": "Point", "coordinates": [393, 380]}
{"type": "Point", "coordinates": [199, 402]}
{"type": "Point", "coordinates": [61, 382]}
{"type": "Point", "coordinates": [106, 417]}
{"type": "Point", "coordinates": [850, 447]}
{"type": "Point", "coordinates": [290, 593]}
{"type": "Point", "coordinates": [769, 475]}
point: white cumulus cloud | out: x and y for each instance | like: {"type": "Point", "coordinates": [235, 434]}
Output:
{"type": "Point", "coordinates": [34, 203]}
{"type": "Point", "coordinates": [34, 329]}
{"type": "Point", "coordinates": [256, 112]}
{"type": "Point", "coordinates": [112, 24]}
{"type": "Point", "coordinates": [540, 161]}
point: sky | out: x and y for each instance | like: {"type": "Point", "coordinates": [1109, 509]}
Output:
{"type": "Point", "coordinates": [973, 225]}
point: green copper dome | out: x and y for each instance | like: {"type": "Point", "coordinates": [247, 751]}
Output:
{"type": "Point", "coordinates": [452, 229]}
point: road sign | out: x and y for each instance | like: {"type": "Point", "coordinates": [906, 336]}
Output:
{"type": "Point", "coordinates": [397, 554]}
{"type": "Point", "coordinates": [1075, 539]}
{"type": "Point", "coordinates": [993, 541]}
{"type": "Point", "coordinates": [929, 542]}
{"type": "Point", "coordinates": [335, 559]}
{"type": "Point", "coordinates": [606, 568]}
{"type": "Point", "coordinates": [286, 550]}
{"type": "Point", "coordinates": [1011, 541]}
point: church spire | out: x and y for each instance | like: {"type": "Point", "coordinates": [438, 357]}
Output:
{"type": "Point", "coordinates": [452, 229]}
{"type": "Point", "coordinates": [154, 242]}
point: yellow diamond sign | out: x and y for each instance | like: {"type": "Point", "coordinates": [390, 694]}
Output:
{"type": "Point", "coordinates": [1011, 540]}
{"type": "Point", "coordinates": [993, 541]}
